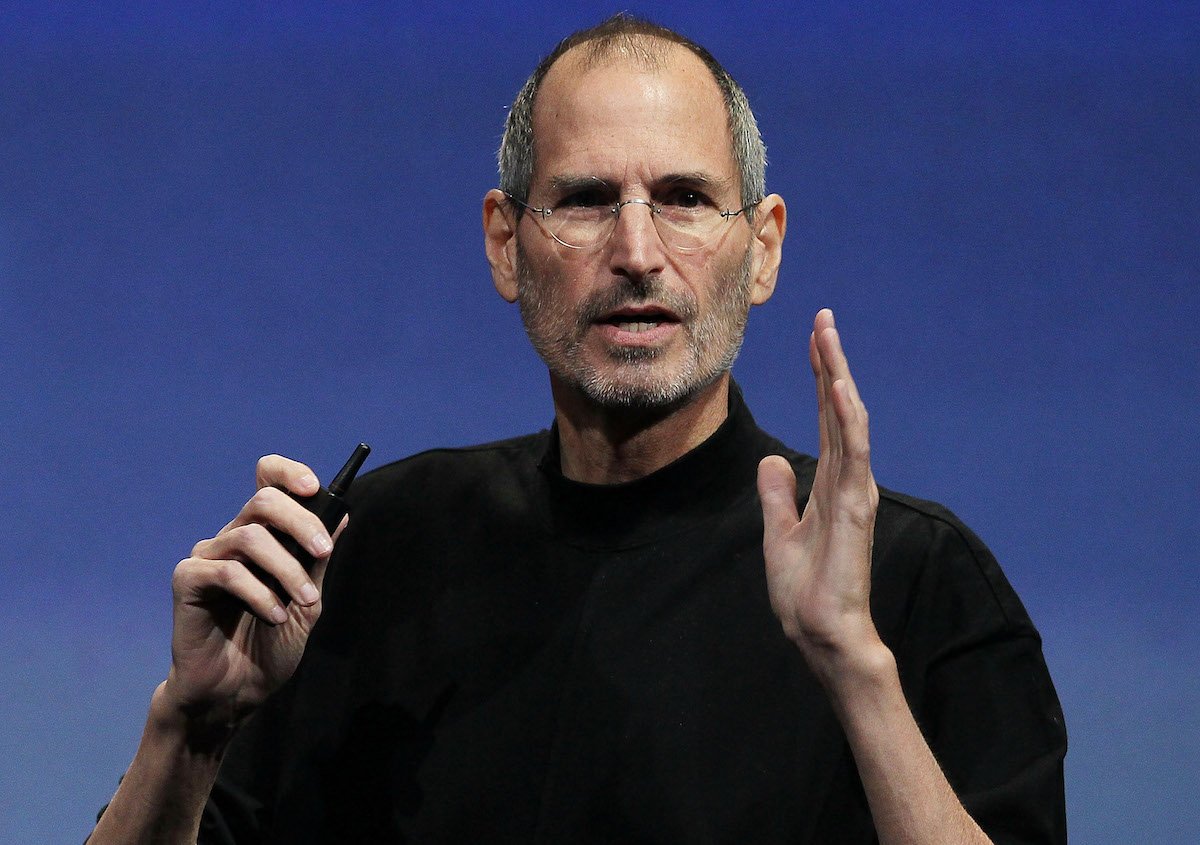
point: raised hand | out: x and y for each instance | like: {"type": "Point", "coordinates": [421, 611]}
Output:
{"type": "Point", "coordinates": [819, 564]}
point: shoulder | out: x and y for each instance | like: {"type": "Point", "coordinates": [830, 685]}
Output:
{"type": "Point", "coordinates": [921, 545]}
{"type": "Point", "coordinates": [403, 514]}
{"type": "Point", "coordinates": [931, 571]}
{"type": "Point", "coordinates": [436, 474]}
{"type": "Point", "coordinates": [907, 524]}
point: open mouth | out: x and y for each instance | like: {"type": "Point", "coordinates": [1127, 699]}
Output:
{"type": "Point", "coordinates": [640, 326]}
{"type": "Point", "coordinates": [638, 319]}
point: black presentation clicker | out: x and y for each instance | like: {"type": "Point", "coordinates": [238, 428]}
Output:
{"type": "Point", "coordinates": [329, 505]}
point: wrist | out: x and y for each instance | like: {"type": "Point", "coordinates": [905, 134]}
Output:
{"type": "Point", "coordinates": [202, 732]}
{"type": "Point", "coordinates": [162, 795]}
{"type": "Point", "coordinates": [852, 667]}
{"type": "Point", "coordinates": [863, 686]}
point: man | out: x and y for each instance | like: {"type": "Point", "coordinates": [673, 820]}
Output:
{"type": "Point", "coordinates": [601, 633]}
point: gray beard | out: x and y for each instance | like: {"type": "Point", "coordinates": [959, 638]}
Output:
{"type": "Point", "coordinates": [714, 341]}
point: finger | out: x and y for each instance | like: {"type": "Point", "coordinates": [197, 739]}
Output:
{"type": "Point", "coordinates": [833, 355]}
{"type": "Point", "coordinates": [777, 492]}
{"type": "Point", "coordinates": [851, 413]}
{"type": "Point", "coordinates": [197, 581]}
{"type": "Point", "coordinates": [278, 471]}
{"type": "Point", "coordinates": [271, 506]}
{"type": "Point", "coordinates": [814, 358]}
{"type": "Point", "coordinates": [828, 414]}
{"type": "Point", "coordinates": [266, 558]}
{"type": "Point", "coordinates": [852, 422]}
{"type": "Point", "coordinates": [854, 476]}
{"type": "Point", "coordinates": [317, 573]}
{"type": "Point", "coordinates": [341, 527]}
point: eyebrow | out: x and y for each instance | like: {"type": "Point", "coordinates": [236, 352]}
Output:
{"type": "Point", "coordinates": [567, 182]}
{"type": "Point", "coordinates": [698, 178]}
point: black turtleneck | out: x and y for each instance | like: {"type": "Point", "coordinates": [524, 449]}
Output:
{"type": "Point", "coordinates": [707, 482]}
{"type": "Point", "coordinates": [506, 655]}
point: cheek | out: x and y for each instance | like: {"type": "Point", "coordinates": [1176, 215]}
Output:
{"type": "Point", "coordinates": [565, 287]}
{"type": "Point", "coordinates": [543, 293]}
{"type": "Point", "coordinates": [721, 273]}
{"type": "Point", "coordinates": [551, 263]}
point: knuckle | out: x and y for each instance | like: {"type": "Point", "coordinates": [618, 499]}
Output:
{"type": "Point", "coordinates": [258, 535]}
{"type": "Point", "coordinates": [182, 571]}
{"type": "Point", "coordinates": [263, 498]}
{"type": "Point", "coordinates": [267, 468]}
{"type": "Point", "coordinates": [251, 539]}
{"type": "Point", "coordinates": [225, 573]}
{"type": "Point", "coordinates": [253, 535]}
{"type": "Point", "coordinates": [178, 579]}
{"type": "Point", "coordinates": [236, 537]}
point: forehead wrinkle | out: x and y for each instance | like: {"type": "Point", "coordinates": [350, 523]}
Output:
{"type": "Point", "coordinates": [640, 116]}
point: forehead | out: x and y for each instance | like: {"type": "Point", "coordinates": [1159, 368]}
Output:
{"type": "Point", "coordinates": [626, 119]}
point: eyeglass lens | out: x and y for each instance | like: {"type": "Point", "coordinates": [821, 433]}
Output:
{"type": "Point", "coordinates": [683, 227]}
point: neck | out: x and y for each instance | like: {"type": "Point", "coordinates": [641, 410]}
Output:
{"type": "Point", "coordinates": [604, 445]}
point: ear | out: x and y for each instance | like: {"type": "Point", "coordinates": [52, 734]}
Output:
{"type": "Point", "coordinates": [500, 242]}
{"type": "Point", "coordinates": [770, 220]}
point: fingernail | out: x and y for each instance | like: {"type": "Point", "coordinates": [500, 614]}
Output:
{"type": "Point", "coordinates": [307, 481]}
{"type": "Point", "coordinates": [309, 594]}
{"type": "Point", "coordinates": [321, 544]}
{"type": "Point", "coordinates": [278, 615]}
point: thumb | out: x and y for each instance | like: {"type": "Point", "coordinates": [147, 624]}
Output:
{"type": "Point", "coordinates": [777, 491]}
{"type": "Point", "coordinates": [320, 565]}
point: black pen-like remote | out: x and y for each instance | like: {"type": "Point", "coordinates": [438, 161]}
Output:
{"type": "Point", "coordinates": [329, 504]}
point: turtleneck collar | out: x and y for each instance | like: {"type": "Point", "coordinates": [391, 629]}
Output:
{"type": "Point", "coordinates": [692, 489]}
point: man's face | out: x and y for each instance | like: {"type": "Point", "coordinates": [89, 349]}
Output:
{"type": "Point", "coordinates": [634, 322]}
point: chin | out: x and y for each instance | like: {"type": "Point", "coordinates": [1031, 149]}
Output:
{"type": "Point", "coordinates": [637, 382]}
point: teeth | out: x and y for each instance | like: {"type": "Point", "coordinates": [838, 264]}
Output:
{"type": "Point", "coordinates": [636, 327]}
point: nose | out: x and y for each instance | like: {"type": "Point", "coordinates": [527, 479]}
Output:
{"type": "Point", "coordinates": [635, 249]}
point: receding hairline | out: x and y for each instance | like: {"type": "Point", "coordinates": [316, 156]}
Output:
{"type": "Point", "coordinates": [645, 51]}
{"type": "Point", "coordinates": [621, 51]}
{"type": "Point", "coordinates": [637, 42]}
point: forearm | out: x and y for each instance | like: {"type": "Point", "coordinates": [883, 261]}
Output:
{"type": "Point", "coordinates": [162, 795]}
{"type": "Point", "coordinates": [910, 799]}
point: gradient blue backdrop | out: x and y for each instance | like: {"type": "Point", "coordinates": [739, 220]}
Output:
{"type": "Point", "coordinates": [229, 228]}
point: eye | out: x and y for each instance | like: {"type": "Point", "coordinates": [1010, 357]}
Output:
{"type": "Point", "coordinates": [585, 198]}
{"type": "Point", "coordinates": [686, 198]}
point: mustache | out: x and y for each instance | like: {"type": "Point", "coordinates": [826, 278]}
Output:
{"type": "Point", "coordinates": [624, 295]}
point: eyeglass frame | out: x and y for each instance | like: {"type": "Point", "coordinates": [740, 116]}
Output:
{"type": "Point", "coordinates": [546, 211]}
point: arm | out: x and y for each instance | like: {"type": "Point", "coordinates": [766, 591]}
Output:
{"type": "Point", "coordinates": [232, 645]}
{"type": "Point", "coordinates": [818, 576]}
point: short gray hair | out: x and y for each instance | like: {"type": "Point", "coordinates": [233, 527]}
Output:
{"type": "Point", "coordinates": [635, 36]}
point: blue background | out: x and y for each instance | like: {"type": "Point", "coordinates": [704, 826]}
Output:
{"type": "Point", "coordinates": [228, 229]}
